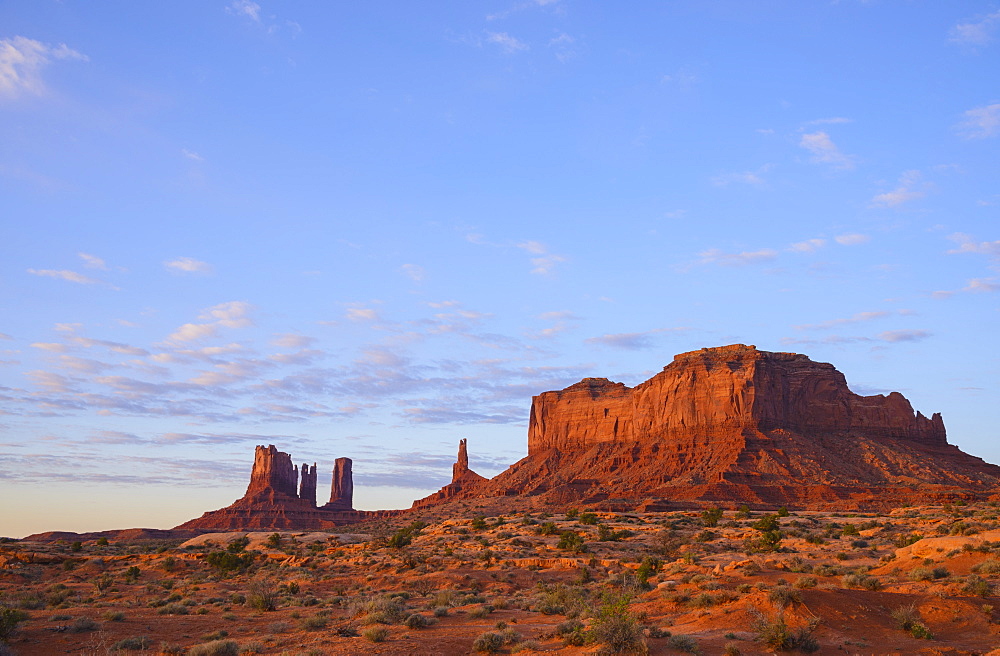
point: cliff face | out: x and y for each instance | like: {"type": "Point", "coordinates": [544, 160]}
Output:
{"type": "Point", "coordinates": [464, 481]}
{"type": "Point", "coordinates": [738, 425]}
{"type": "Point", "coordinates": [724, 389]}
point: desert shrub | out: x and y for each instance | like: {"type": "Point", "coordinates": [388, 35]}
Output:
{"type": "Point", "coordinates": [559, 599]}
{"type": "Point", "coordinates": [83, 624]}
{"type": "Point", "coordinates": [976, 586]}
{"type": "Point", "coordinates": [418, 621]}
{"type": "Point", "coordinates": [684, 643]}
{"type": "Point", "coordinates": [861, 581]}
{"type": "Point", "coordinates": [10, 618]}
{"type": "Point", "coordinates": [777, 635]}
{"type": "Point", "coordinates": [571, 541]}
{"type": "Point", "coordinates": [315, 622]}
{"type": "Point", "coordinates": [768, 538]}
{"type": "Point", "coordinates": [103, 583]}
{"type": "Point", "coordinates": [274, 540]}
{"type": "Point", "coordinates": [132, 574]}
{"type": "Point", "coordinates": [479, 524]}
{"type": "Point", "coordinates": [548, 528]}
{"type": "Point", "coordinates": [238, 545]}
{"type": "Point", "coordinates": [850, 529]}
{"type": "Point", "coordinates": [174, 609]}
{"type": "Point", "coordinates": [527, 645]}
{"type": "Point", "coordinates": [480, 612]}
{"type": "Point", "coordinates": [616, 629]}
{"type": "Point", "coordinates": [606, 534]}
{"type": "Point", "coordinates": [215, 648]}
{"type": "Point", "coordinates": [711, 516]}
{"type": "Point", "coordinates": [227, 562]}
{"type": "Point", "coordinates": [588, 518]}
{"type": "Point", "coordinates": [375, 634]}
{"type": "Point", "coordinates": [908, 618]}
{"type": "Point", "coordinates": [252, 648]}
{"type": "Point", "coordinates": [114, 616]}
{"type": "Point", "coordinates": [380, 610]}
{"type": "Point", "coordinates": [782, 596]}
{"type": "Point", "coordinates": [167, 649]}
{"type": "Point", "coordinates": [262, 595]}
{"type": "Point", "coordinates": [805, 582]}
{"type": "Point", "coordinates": [990, 566]}
{"type": "Point", "coordinates": [137, 643]}
{"type": "Point", "coordinates": [488, 643]}
{"type": "Point", "coordinates": [731, 649]}
{"type": "Point", "coordinates": [568, 627]}
{"type": "Point", "coordinates": [440, 611]}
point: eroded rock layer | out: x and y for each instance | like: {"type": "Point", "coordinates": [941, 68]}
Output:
{"type": "Point", "coordinates": [734, 424]}
{"type": "Point", "coordinates": [464, 481]}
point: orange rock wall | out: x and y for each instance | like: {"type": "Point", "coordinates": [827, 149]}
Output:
{"type": "Point", "coordinates": [717, 390]}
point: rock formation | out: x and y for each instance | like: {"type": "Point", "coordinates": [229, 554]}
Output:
{"type": "Point", "coordinates": [734, 424]}
{"type": "Point", "coordinates": [272, 501]}
{"type": "Point", "coordinates": [342, 487]}
{"type": "Point", "coordinates": [463, 480]}
{"type": "Point", "coordinates": [307, 485]}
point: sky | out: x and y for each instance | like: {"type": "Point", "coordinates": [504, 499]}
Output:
{"type": "Point", "coordinates": [373, 229]}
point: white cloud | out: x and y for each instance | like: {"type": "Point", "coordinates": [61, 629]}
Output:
{"type": "Point", "coordinates": [22, 61]}
{"type": "Point", "coordinates": [245, 8]}
{"type": "Point", "coordinates": [506, 42]}
{"type": "Point", "coordinates": [93, 262]}
{"type": "Point", "coordinates": [362, 314]}
{"type": "Point", "coordinates": [983, 285]}
{"type": "Point", "coordinates": [904, 192]}
{"type": "Point", "coordinates": [233, 314]}
{"type": "Point", "coordinates": [188, 265]}
{"type": "Point", "coordinates": [824, 151]}
{"type": "Point", "coordinates": [414, 272]}
{"type": "Point", "coordinates": [70, 276]}
{"type": "Point", "coordinates": [807, 246]}
{"type": "Point", "coordinates": [190, 154]}
{"type": "Point", "coordinates": [981, 122]}
{"type": "Point", "coordinates": [966, 244]}
{"type": "Point", "coordinates": [54, 347]}
{"type": "Point", "coordinates": [544, 262]}
{"type": "Point", "coordinates": [851, 239]}
{"type": "Point", "coordinates": [828, 121]}
{"type": "Point", "coordinates": [903, 335]}
{"type": "Point", "coordinates": [975, 34]}
{"type": "Point", "coordinates": [716, 256]}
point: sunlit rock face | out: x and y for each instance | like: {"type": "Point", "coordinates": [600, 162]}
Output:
{"type": "Point", "coordinates": [735, 424]}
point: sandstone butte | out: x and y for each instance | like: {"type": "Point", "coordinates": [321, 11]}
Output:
{"type": "Point", "coordinates": [730, 425]}
{"type": "Point", "coordinates": [277, 498]}
{"type": "Point", "coordinates": [734, 425]}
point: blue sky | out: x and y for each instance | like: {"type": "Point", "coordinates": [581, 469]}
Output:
{"type": "Point", "coordinates": [372, 229]}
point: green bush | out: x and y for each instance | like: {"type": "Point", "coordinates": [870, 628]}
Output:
{"type": "Point", "coordinates": [262, 595]}
{"type": "Point", "coordinates": [588, 518]}
{"type": "Point", "coordinates": [711, 516]}
{"type": "Point", "coordinates": [616, 629]}
{"type": "Point", "coordinates": [10, 618]}
{"type": "Point", "coordinates": [375, 634]}
{"type": "Point", "coordinates": [226, 561]}
{"type": "Point", "coordinates": [571, 541]}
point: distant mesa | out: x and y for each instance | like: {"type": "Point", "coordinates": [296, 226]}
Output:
{"type": "Point", "coordinates": [283, 496]}
{"type": "Point", "coordinates": [733, 425]}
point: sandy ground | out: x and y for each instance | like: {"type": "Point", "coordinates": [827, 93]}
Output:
{"type": "Point", "coordinates": [921, 580]}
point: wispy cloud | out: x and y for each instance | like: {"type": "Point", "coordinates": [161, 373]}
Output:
{"type": "Point", "coordinates": [903, 335]}
{"type": "Point", "coordinates": [807, 246]}
{"type": "Point", "coordinates": [362, 314]}
{"type": "Point", "coordinates": [245, 8]}
{"type": "Point", "coordinates": [190, 154]}
{"type": "Point", "coordinates": [983, 285]}
{"type": "Point", "coordinates": [860, 317]}
{"type": "Point", "coordinates": [852, 239]}
{"type": "Point", "coordinates": [824, 151]}
{"type": "Point", "coordinates": [414, 272]}
{"type": "Point", "coordinates": [967, 244]}
{"type": "Point", "coordinates": [631, 341]}
{"type": "Point", "coordinates": [544, 261]}
{"type": "Point", "coordinates": [743, 258]}
{"type": "Point", "coordinates": [905, 191]}
{"type": "Point", "coordinates": [63, 274]}
{"type": "Point", "coordinates": [22, 61]}
{"type": "Point", "coordinates": [93, 262]}
{"type": "Point", "coordinates": [745, 177]}
{"type": "Point", "coordinates": [188, 265]}
{"type": "Point", "coordinates": [981, 122]}
{"type": "Point", "coordinates": [975, 33]}
{"type": "Point", "coordinates": [508, 44]}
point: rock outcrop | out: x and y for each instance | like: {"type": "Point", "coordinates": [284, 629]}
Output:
{"type": "Point", "coordinates": [273, 502]}
{"type": "Point", "coordinates": [734, 425]}
{"type": "Point", "coordinates": [342, 487]}
{"type": "Point", "coordinates": [463, 480]}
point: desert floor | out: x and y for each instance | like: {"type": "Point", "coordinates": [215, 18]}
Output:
{"type": "Point", "coordinates": [919, 580]}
